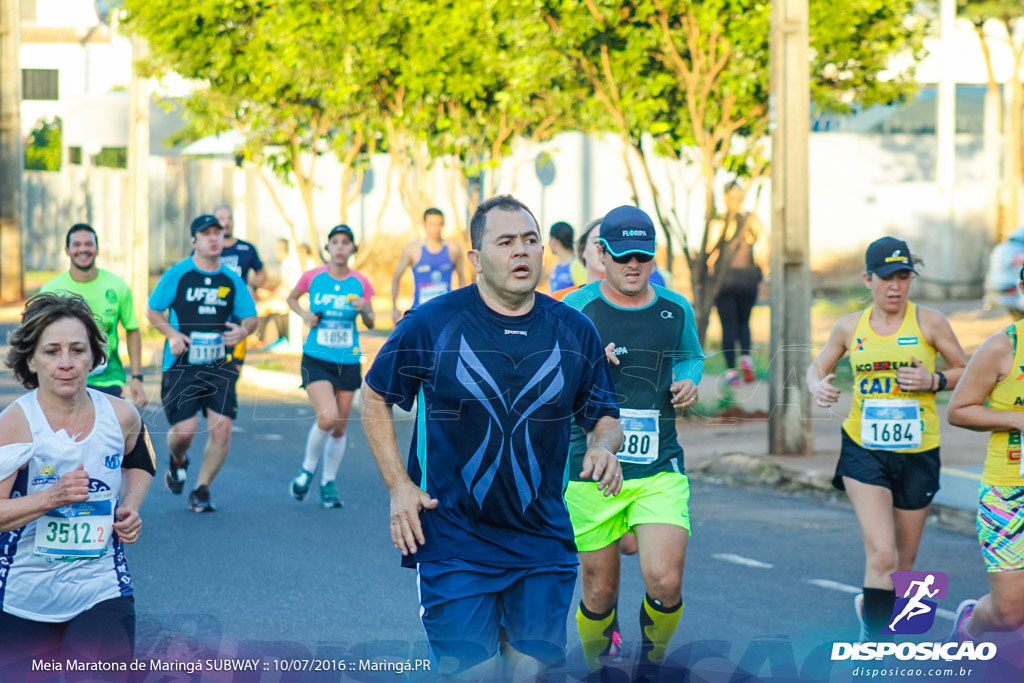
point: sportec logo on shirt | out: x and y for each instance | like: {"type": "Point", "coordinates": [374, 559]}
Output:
{"type": "Point", "coordinates": [914, 614]}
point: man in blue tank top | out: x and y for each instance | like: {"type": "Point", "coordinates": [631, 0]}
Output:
{"type": "Point", "coordinates": [432, 262]}
{"type": "Point", "coordinates": [498, 376]}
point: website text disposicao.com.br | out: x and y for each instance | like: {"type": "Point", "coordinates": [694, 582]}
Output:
{"type": "Point", "coordinates": [912, 658]}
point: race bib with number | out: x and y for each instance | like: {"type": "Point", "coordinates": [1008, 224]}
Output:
{"type": "Point", "coordinates": [639, 436]}
{"type": "Point", "coordinates": [335, 334]}
{"type": "Point", "coordinates": [205, 348]}
{"type": "Point", "coordinates": [432, 291]}
{"type": "Point", "coordinates": [891, 424]}
{"type": "Point", "coordinates": [77, 531]}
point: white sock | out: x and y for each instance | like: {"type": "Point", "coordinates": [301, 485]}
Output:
{"type": "Point", "coordinates": [315, 443]}
{"type": "Point", "coordinates": [333, 454]}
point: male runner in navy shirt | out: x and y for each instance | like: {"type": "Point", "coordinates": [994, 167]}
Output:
{"type": "Point", "coordinates": [498, 374]}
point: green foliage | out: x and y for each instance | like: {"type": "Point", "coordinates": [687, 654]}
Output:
{"type": "Point", "coordinates": [43, 147]}
{"type": "Point", "coordinates": [113, 157]}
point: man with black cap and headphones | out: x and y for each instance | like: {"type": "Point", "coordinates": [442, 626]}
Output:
{"type": "Point", "coordinates": [193, 306]}
{"type": "Point", "coordinates": [338, 296]}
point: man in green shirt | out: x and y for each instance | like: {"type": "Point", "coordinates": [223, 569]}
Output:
{"type": "Point", "coordinates": [111, 301]}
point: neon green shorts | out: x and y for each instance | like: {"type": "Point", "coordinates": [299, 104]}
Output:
{"type": "Point", "coordinates": [599, 521]}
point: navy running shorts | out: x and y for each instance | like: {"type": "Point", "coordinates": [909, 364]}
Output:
{"type": "Point", "coordinates": [464, 604]}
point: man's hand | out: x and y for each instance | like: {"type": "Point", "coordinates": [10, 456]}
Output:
{"type": "Point", "coordinates": [179, 343]}
{"type": "Point", "coordinates": [235, 334]}
{"type": "Point", "coordinates": [609, 353]}
{"type": "Point", "coordinates": [396, 315]}
{"type": "Point", "coordinates": [138, 392]}
{"type": "Point", "coordinates": [684, 394]}
{"type": "Point", "coordinates": [406, 502]}
{"type": "Point", "coordinates": [601, 465]}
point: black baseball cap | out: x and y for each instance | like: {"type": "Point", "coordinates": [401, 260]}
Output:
{"type": "Point", "coordinates": [627, 230]}
{"type": "Point", "coordinates": [888, 255]}
{"type": "Point", "coordinates": [341, 230]}
{"type": "Point", "coordinates": [203, 222]}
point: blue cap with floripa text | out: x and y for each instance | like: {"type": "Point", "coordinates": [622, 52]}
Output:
{"type": "Point", "coordinates": [627, 230]}
{"type": "Point", "coordinates": [887, 255]}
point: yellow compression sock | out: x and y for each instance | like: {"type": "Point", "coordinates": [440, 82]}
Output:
{"type": "Point", "coordinates": [597, 634]}
{"type": "Point", "coordinates": [657, 625]}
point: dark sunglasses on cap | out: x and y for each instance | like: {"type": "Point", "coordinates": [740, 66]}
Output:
{"type": "Point", "coordinates": [638, 255]}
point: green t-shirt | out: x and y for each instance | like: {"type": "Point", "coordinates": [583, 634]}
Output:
{"type": "Point", "coordinates": [110, 300]}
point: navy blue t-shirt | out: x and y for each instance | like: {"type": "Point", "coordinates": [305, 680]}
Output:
{"type": "Point", "coordinates": [495, 399]}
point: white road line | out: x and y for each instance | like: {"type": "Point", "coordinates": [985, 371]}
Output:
{"type": "Point", "coordinates": [853, 590]}
{"type": "Point", "coordinates": [740, 560]}
{"type": "Point", "coordinates": [270, 437]}
{"type": "Point", "coordinates": [835, 586]}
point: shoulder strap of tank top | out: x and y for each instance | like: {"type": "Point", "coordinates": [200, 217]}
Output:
{"type": "Point", "coordinates": [33, 412]}
{"type": "Point", "coordinates": [105, 413]}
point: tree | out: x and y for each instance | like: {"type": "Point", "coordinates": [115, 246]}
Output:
{"type": "Point", "coordinates": [280, 74]}
{"type": "Point", "coordinates": [1008, 13]}
{"type": "Point", "coordinates": [43, 146]}
{"type": "Point", "coordinates": [690, 81]}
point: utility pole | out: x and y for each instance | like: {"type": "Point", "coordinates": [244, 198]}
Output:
{"type": "Point", "coordinates": [138, 178]}
{"type": "Point", "coordinates": [12, 160]}
{"type": "Point", "coordinates": [790, 111]}
{"type": "Point", "coordinates": [945, 138]}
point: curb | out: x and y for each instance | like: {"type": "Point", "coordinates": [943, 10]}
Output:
{"type": "Point", "coordinates": [760, 472]}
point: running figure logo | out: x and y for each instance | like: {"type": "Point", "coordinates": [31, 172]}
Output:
{"type": "Point", "coordinates": [914, 613]}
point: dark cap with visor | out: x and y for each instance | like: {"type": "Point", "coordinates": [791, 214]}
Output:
{"type": "Point", "coordinates": [888, 255]}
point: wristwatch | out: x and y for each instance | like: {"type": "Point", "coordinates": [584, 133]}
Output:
{"type": "Point", "coordinates": [138, 377]}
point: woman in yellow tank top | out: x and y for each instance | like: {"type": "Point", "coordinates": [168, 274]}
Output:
{"type": "Point", "coordinates": [889, 459]}
{"type": "Point", "coordinates": [996, 375]}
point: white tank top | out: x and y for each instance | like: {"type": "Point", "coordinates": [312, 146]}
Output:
{"type": "Point", "coordinates": [40, 577]}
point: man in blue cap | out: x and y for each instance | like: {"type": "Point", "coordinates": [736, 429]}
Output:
{"type": "Point", "coordinates": [193, 306]}
{"type": "Point", "coordinates": [651, 342]}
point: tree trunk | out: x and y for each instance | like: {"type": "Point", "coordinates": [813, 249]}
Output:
{"type": "Point", "coordinates": [1013, 161]}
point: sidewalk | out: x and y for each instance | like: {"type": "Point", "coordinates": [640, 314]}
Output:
{"type": "Point", "coordinates": [736, 449]}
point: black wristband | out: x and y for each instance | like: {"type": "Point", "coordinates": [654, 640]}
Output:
{"type": "Point", "coordinates": [942, 381]}
{"type": "Point", "coordinates": [138, 377]}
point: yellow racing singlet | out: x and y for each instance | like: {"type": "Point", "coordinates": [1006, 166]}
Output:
{"type": "Point", "coordinates": [1002, 466]}
{"type": "Point", "coordinates": [883, 416]}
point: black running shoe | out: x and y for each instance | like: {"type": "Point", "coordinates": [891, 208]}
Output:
{"type": "Point", "coordinates": [199, 500]}
{"type": "Point", "coordinates": [176, 475]}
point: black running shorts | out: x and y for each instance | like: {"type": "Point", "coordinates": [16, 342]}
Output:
{"type": "Point", "coordinates": [343, 377]}
{"type": "Point", "coordinates": [187, 390]}
{"type": "Point", "coordinates": [913, 478]}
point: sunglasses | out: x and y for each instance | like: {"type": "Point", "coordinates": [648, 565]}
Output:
{"type": "Point", "coordinates": [626, 258]}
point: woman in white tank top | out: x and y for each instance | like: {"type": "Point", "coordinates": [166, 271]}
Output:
{"type": "Point", "coordinates": [69, 497]}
